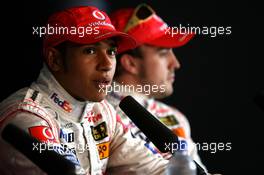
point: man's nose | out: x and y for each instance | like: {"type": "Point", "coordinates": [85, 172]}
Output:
{"type": "Point", "coordinates": [175, 63]}
{"type": "Point", "coordinates": [105, 62]}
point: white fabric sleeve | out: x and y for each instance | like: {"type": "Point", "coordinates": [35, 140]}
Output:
{"type": "Point", "coordinates": [12, 161]}
{"type": "Point", "coordinates": [128, 155]}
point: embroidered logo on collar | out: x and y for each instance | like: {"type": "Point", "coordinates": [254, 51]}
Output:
{"type": "Point", "coordinates": [169, 120]}
{"type": "Point", "coordinates": [67, 136]}
{"type": "Point", "coordinates": [62, 103]}
{"type": "Point", "coordinates": [103, 150]}
{"type": "Point", "coordinates": [92, 117]}
{"type": "Point", "coordinates": [99, 132]}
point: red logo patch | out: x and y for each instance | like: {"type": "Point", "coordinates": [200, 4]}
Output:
{"type": "Point", "coordinates": [42, 133]}
{"type": "Point", "coordinates": [92, 117]}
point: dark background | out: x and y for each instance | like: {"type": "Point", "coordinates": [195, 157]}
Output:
{"type": "Point", "coordinates": [215, 88]}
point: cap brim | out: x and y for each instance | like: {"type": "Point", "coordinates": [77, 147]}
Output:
{"type": "Point", "coordinates": [170, 41]}
{"type": "Point", "coordinates": [124, 41]}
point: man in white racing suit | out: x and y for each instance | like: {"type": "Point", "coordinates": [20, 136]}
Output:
{"type": "Point", "coordinates": [147, 72]}
{"type": "Point", "coordinates": [65, 109]}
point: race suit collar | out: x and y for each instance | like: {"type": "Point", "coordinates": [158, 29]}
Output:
{"type": "Point", "coordinates": [47, 83]}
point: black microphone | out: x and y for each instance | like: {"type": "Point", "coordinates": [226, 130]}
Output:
{"type": "Point", "coordinates": [49, 161]}
{"type": "Point", "coordinates": [155, 131]}
{"type": "Point", "coordinates": [158, 133]}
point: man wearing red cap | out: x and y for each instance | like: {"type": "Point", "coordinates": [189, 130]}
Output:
{"type": "Point", "coordinates": [65, 108]}
{"type": "Point", "coordinates": [150, 66]}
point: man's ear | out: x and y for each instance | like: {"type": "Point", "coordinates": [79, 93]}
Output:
{"type": "Point", "coordinates": [54, 59]}
{"type": "Point", "coordinates": [130, 64]}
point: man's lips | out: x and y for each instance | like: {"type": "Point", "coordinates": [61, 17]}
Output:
{"type": "Point", "coordinates": [171, 78]}
{"type": "Point", "coordinates": [103, 82]}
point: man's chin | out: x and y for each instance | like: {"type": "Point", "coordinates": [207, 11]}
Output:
{"type": "Point", "coordinates": [100, 97]}
{"type": "Point", "coordinates": [160, 95]}
{"type": "Point", "coordinates": [167, 92]}
{"type": "Point", "coordinates": [97, 97]}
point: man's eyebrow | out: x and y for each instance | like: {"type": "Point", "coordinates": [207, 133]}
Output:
{"type": "Point", "coordinates": [112, 43]}
{"type": "Point", "coordinates": [162, 48]}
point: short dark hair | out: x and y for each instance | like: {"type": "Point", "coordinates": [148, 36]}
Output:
{"type": "Point", "coordinates": [136, 53]}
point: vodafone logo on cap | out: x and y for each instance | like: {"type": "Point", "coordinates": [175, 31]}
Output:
{"type": "Point", "coordinates": [98, 15]}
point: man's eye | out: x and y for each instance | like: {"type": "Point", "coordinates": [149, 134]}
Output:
{"type": "Point", "coordinates": [164, 52]}
{"type": "Point", "coordinates": [112, 51]}
{"type": "Point", "coordinates": [89, 50]}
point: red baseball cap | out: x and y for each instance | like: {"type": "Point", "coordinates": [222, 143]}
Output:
{"type": "Point", "coordinates": [143, 24]}
{"type": "Point", "coordinates": [84, 25]}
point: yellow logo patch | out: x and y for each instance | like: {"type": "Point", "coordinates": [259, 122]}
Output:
{"type": "Point", "coordinates": [103, 150]}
